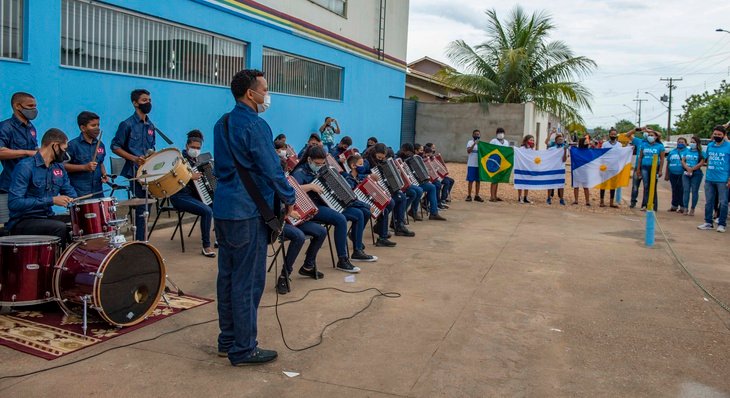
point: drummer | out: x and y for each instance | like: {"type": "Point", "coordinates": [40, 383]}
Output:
{"type": "Point", "coordinates": [135, 140]}
{"type": "Point", "coordinates": [38, 183]}
{"type": "Point", "coordinates": [86, 168]}
{"type": "Point", "coordinates": [187, 199]}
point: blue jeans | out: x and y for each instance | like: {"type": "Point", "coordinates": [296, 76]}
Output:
{"type": "Point", "coordinates": [327, 216]}
{"type": "Point", "coordinates": [139, 219]}
{"type": "Point", "coordinates": [430, 190]}
{"type": "Point", "coordinates": [676, 182]}
{"type": "Point", "coordinates": [414, 194]}
{"type": "Point", "coordinates": [358, 213]}
{"type": "Point", "coordinates": [446, 184]}
{"type": "Point", "coordinates": [635, 183]}
{"type": "Point", "coordinates": [400, 202]}
{"type": "Point", "coordinates": [240, 283]}
{"type": "Point", "coordinates": [716, 190]}
{"type": "Point", "coordinates": [383, 226]}
{"type": "Point", "coordinates": [183, 201]}
{"type": "Point", "coordinates": [691, 185]}
{"type": "Point", "coordinates": [296, 237]}
{"type": "Point", "coordinates": [645, 173]}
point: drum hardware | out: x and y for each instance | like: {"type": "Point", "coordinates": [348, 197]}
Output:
{"type": "Point", "coordinates": [85, 299]}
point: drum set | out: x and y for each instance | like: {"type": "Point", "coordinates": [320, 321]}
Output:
{"type": "Point", "coordinates": [122, 281]}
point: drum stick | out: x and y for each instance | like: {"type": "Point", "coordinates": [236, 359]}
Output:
{"type": "Point", "coordinates": [98, 142]}
{"type": "Point", "coordinates": [86, 196]}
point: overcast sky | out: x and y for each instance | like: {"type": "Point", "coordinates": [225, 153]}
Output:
{"type": "Point", "coordinates": [634, 43]}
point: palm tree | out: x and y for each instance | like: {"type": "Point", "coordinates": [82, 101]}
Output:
{"type": "Point", "coordinates": [517, 64]}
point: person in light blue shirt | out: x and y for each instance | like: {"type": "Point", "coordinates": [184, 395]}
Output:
{"type": "Point", "coordinates": [692, 162]}
{"type": "Point", "coordinates": [652, 147]}
{"type": "Point", "coordinates": [674, 172]}
{"type": "Point", "coordinates": [637, 143]}
{"type": "Point", "coordinates": [717, 180]}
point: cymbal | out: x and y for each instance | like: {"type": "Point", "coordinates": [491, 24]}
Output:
{"type": "Point", "coordinates": [134, 202]}
{"type": "Point", "coordinates": [146, 176]}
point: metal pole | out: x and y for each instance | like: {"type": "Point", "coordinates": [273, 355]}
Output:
{"type": "Point", "coordinates": [650, 215]}
{"type": "Point", "coordinates": [671, 87]}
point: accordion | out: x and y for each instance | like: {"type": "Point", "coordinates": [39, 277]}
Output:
{"type": "Point", "coordinates": [406, 174]}
{"type": "Point", "coordinates": [431, 168]}
{"type": "Point", "coordinates": [441, 169]}
{"type": "Point", "coordinates": [388, 174]}
{"type": "Point", "coordinates": [332, 162]}
{"type": "Point", "coordinates": [343, 158]}
{"type": "Point", "coordinates": [304, 207]}
{"type": "Point", "coordinates": [370, 192]}
{"type": "Point", "coordinates": [418, 167]}
{"type": "Point", "coordinates": [291, 160]}
{"type": "Point", "coordinates": [205, 185]}
{"type": "Point", "coordinates": [336, 192]}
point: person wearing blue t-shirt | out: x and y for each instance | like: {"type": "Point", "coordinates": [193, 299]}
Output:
{"type": "Point", "coordinates": [717, 180]}
{"type": "Point", "coordinates": [692, 162]}
{"type": "Point", "coordinates": [674, 172]}
{"type": "Point", "coordinates": [652, 147]}
{"type": "Point", "coordinates": [637, 143]}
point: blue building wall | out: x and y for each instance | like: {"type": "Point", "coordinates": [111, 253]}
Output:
{"type": "Point", "coordinates": [367, 108]}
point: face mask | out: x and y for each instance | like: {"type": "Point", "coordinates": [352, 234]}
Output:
{"type": "Point", "coordinates": [60, 156]}
{"type": "Point", "coordinates": [261, 108]}
{"type": "Point", "coordinates": [612, 138]}
{"type": "Point", "coordinates": [145, 108]}
{"type": "Point", "coordinates": [500, 136]}
{"type": "Point", "coordinates": [475, 137]}
{"type": "Point", "coordinates": [646, 135]}
{"type": "Point", "coordinates": [650, 139]}
{"type": "Point", "coordinates": [681, 146]}
{"type": "Point", "coordinates": [360, 169]}
{"type": "Point", "coordinates": [552, 142]}
{"type": "Point", "coordinates": [193, 153]}
{"type": "Point", "coordinates": [559, 144]}
{"type": "Point", "coordinates": [718, 139]}
{"type": "Point", "coordinates": [282, 153]}
{"type": "Point", "coordinates": [693, 146]}
{"type": "Point", "coordinates": [29, 114]}
{"type": "Point", "coordinates": [530, 144]}
{"type": "Point", "coordinates": [315, 167]}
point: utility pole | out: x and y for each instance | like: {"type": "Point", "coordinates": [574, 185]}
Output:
{"type": "Point", "coordinates": [639, 100]}
{"type": "Point", "coordinates": [671, 87]}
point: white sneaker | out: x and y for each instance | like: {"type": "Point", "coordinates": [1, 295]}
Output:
{"type": "Point", "coordinates": [721, 228]}
{"type": "Point", "coordinates": [705, 227]}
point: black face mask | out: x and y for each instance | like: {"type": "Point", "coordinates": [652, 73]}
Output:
{"type": "Point", "coordinates": [718, 139]}
{"type": "Point", "coordinates": [145, 108]}
{"type": "Point", "coordinates": [60, 156]}
{"type": "Point", "coordinates": [612, 138]}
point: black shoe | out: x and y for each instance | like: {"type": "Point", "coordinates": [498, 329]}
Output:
{"type": "Point", "coordinates": [403, 231]}
{"type": "Point", "coordinates": [443, 203]}
{"type": "Point", "coordinates": [414, 215]}
{"type": "Point", "coordinates": [436, 217]}
{"type": "Point", "coordinates": [384, 242]}
{"type": "Point", "coordinates": [345, 265]}
{"type": "Point", "coordinates": [468, 198]}
{"type": "Point", "coordinates": [215, 245]}
{"type": "Point", "coordinates": [310, 273]}
{"type": "Point", "coordinates": [258, 356]}
{"type": "Point", "coordinates": [360, 255]}
{"type": "Point", "coordinates": [478, 199]}
{"type": "Point", "coordinates": [282, 285]}
{"type": "Point", "coordinates": [526, 200]}
{"type": "Point", "coordinates": [442, 207]}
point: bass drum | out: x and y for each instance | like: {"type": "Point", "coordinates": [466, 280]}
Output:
{"type": "Point", "coordinates": [123, 284]}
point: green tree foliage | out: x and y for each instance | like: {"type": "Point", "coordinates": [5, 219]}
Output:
{"type": "Point", "coordinates": [518, 64]}
{"type": "Point", "coordinates": [658, 128]}
{"type": "Point", "coordinates": [600, 132]}
{"type": "Point", "coordinates": [702, 112]}
{"type": "Point", "coordinates": [624, 125]}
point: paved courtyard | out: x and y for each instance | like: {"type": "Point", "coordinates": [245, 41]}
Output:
{"type": "Point", "coordinates": [501, 300]}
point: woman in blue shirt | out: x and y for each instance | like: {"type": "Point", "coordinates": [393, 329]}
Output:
{"type": "Point", "coordinates": [653, 146]}
{"type": "Point", "coordinates": [674, 172]}
{"type": "Point", "coordinates": [692, 161]}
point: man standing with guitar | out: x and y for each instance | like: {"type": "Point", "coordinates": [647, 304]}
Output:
{"type": "Point", "coordinates": [249, 180]}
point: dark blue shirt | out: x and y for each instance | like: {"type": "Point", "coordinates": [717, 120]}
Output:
{"type": "Point", "coordinates": [136, 137]}
{"type": "Point", "coordinates": [15, 135]}
{"type": "Point", "coordinates": [352, 180]}
{"type": "Point", "coordinates": [336, 152]}
{"type": "Point", "coordinates": [305, 175]}
{"type": "Point", "coordinates": [250, 143]}
{"type": "Point", "coordinates": [81, 152]}
{"type": "Point", "coordinates": [33, 187]}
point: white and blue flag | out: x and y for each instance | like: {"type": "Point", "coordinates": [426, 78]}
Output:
{"type": "Point", "coordinates": [539, 169]}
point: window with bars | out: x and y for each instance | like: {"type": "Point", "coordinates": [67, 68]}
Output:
{"type": "Point", "coordinates": [11, 29]}
{"type": "Point", "coordinates": [290, 74]}
{"type": "Point", "coordinates": [339, 7]}
{"type": "Point", "coordinates": [101, 37]}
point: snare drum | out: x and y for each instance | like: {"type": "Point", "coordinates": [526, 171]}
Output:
{"type": "Point", "coordinates": [168, 171]}
{"type": "Point", "coordinates": [93, 218]}
{"type": "Point", "coordinates": [26, 268]}
{"type": "Point", "coordinates": [122, 283]}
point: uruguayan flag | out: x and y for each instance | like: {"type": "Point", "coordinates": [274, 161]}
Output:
{"type": "Point", "coordinates": [539, 169]}
{"type": "Point", "coordinates": [601, 168]}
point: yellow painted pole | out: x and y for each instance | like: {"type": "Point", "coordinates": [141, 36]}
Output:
{"type": "Point", "coordinates": [652, 183]}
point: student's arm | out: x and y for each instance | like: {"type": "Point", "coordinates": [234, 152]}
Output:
{"type": "Point", "coordinates": [661, 164]}
{"type": "Point", "coordinates": [336, 126]}
{"type": "Point", "coordinates": [120, 138]}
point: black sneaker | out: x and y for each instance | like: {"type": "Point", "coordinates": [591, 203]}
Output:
{"type": "Point", "coordinates": [345, 265]}
{"type": "Point", "coordinates": [436, 217]}
{"type": "Point", "coordinates": [415, 216]}
{"type": "Point", "coordinates": [384, 242]}
{"type": "Point", "coordinates": [360, 255]}
{"type": "Point", "coordinates": [468, 198]}
{"type": "Point", "coordinates": [442, 207]}
{"type": "Point", "coordinates": [258, 356]}
{"type": "Point", "coordinates": [443, 203]}
{"type": "Point", "coordinates": [282, 285]}
{"type": "Point", "coordinates": [478, 199]}
{"type": "Point", "coordinates": [310, 273]}
{"type": "Point", "coordinates": [403, 231]}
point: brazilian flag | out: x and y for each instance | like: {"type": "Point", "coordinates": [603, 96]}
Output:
{"type": "Point", "coordinates": [495, 162]}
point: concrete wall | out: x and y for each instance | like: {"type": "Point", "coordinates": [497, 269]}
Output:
{"type": "Point", "coordinates": [450, 125]}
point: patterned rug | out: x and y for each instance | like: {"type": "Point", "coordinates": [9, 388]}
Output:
{"type": "Point", "coordinates": [53, 334]}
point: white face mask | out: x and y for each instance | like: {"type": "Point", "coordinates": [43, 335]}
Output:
{"type": "Point", "coordinates": [193, 153]}
{"type": "Point", "coordinates": [282, 153]}
{"type": "Point", "coordinates": [261, 108]}
{"type": "Point", "coordinates": [500, 136]}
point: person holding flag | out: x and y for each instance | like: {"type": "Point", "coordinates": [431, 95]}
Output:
{"type": "Point", "coordinates": [494, 186]}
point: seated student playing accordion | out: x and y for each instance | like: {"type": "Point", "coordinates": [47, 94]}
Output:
{"type": "Point", "coordinates": [407, 151]}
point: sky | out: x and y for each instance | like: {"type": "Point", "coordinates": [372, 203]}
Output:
{"type": "Point", "coordinates": [634, 43]}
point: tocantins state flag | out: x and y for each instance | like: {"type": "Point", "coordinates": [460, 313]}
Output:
{"type": "Point", "coordinates": [495, 162]}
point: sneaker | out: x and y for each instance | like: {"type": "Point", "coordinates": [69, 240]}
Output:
{"type": "Point", "coordinates": [436, 217]}
{"type": "Point", "coordinates": [500, 200]}
{"type": "Point", "coordinates": [360, 255]}
{"type": "Point", "coordinates": [549, 201]}
{"type": "Point", "coordinates": [403, 231]}
{"type": "Point", "coordinates": [562, 202]}
{"type": "Point", "coordinates": [345, 265]}
{"type": "Point", "coordinates": [208, 253]}
{"type": "Point", "coordinates": [643, 208]}
{"type": "Point", "coordinates": [705, 227]}
{"type": "Point", "coordinates": [468, 198]}
{"type": "Point", "coordinates": [309, 271]}
{"type": "Point", "coordinates": [478, 198]}
{"type": "Point", "coordinates": [223, 354]}
{"type": "Point", "coordinates": [721, 228]}
{"type": "Point", "coordinates": [672, 209]}
{"type": "Point", "coordinates": [415, 216]}
{"type": "Point", "coordinates": [692, 212]}
{"type": "Point", "coordinates": [282, 285]}
{"type": "Point", "coordinates": [520, 200]}
{"type": "Point", "coordinates": [442, 207]}
{"type": "Point", "coordinates": [527, 201]}
{"type": "Point", "coordinates": [258, 356]}
{"type": "Point", "coordinates": [384, 242]}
